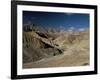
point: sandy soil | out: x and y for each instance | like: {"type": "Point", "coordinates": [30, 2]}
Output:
{"type": "Point", "coordinates": [74, 59]}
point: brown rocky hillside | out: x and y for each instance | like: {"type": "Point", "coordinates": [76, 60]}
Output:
{"type": "Point", "coordinates": [44, 49]}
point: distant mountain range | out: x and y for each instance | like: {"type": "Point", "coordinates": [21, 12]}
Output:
{"type": "Point", "coordinates": [40, 44]}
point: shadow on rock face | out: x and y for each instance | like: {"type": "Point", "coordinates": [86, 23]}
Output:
{"type": "Point", "coordinates": [34, 48]}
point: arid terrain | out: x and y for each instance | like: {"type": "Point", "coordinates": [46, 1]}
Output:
{"type": "Point", "coordinates": [54, 48]}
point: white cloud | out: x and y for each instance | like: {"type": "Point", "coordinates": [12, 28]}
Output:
{"type": "Point", "coordinates": [81, 29]}
{"type": "Point", "coordinates": [72, 28]}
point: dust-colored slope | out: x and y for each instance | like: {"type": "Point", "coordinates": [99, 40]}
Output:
{"type": "Point", "coordinates": [74, 59]}
{"type": "Point", "coordinates": [36, 48]}
{"type": "Point", "coordinates": [76, 51]}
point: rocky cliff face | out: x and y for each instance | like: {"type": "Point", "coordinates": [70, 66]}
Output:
{"type": "Point", "coordinates": [36, 47]}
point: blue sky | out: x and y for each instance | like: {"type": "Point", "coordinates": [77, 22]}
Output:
{"type": "Point", "coordinates": [57, 20]}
